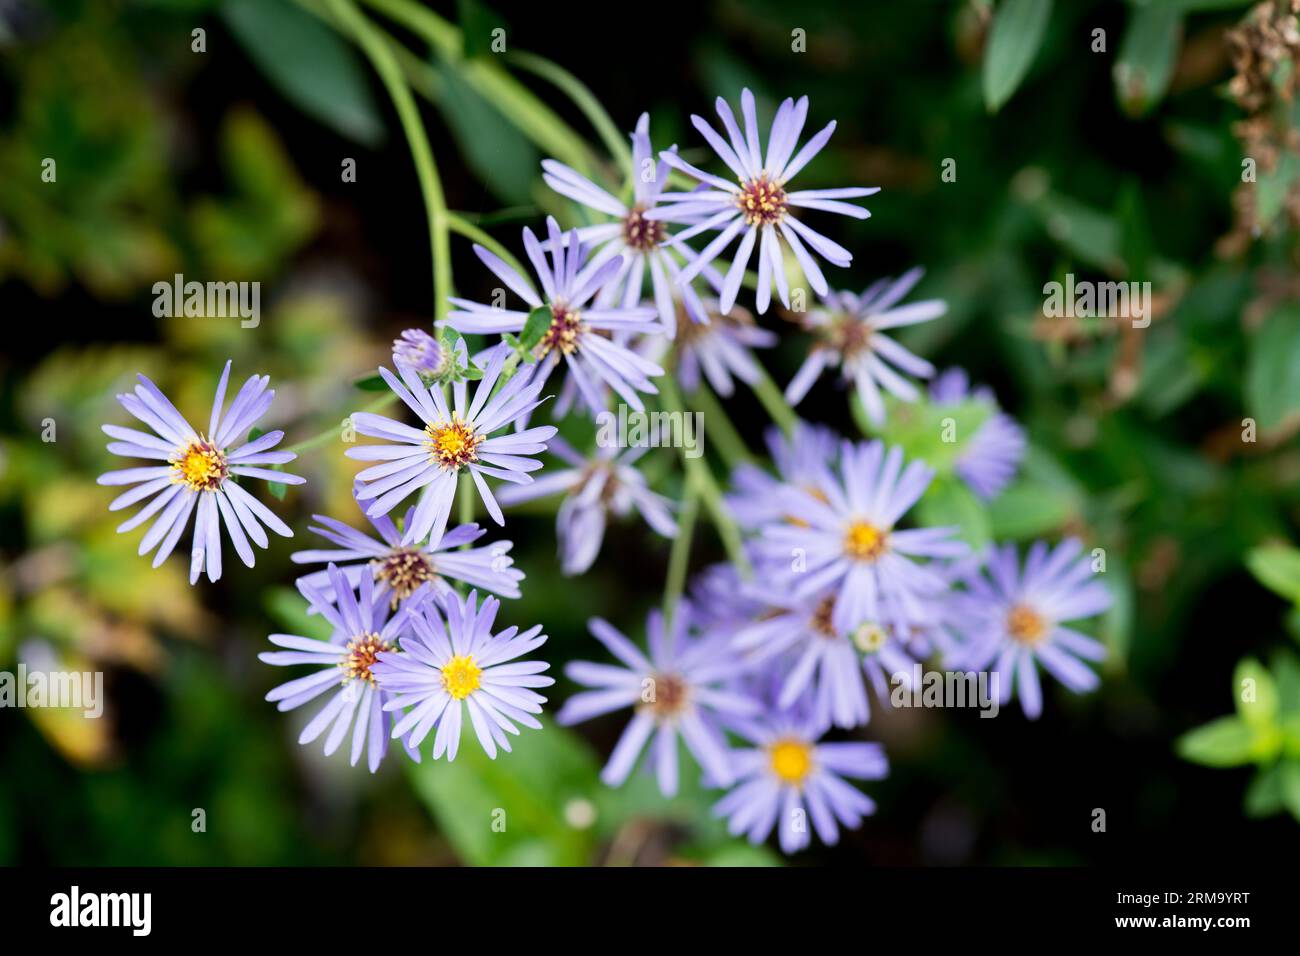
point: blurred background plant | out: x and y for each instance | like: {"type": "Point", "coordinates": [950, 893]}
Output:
{"type": "Point", "coordinates": [1016, 142]}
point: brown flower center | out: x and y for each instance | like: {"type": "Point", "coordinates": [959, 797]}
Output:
{"type": "Point", "coordinates": [404, 570]}
{"type": "Point", "coordinates": [363, 652]}
{"type": "Point", "coordinates": [640, 232]}
{"type": "Point", "coordinates": [562, 333]}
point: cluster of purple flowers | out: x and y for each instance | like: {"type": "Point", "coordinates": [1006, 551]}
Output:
{"type": "Point", "coordinates": [841, 592]}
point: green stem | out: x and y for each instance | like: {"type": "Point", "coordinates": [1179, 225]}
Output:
{"type": "Point", "coordinates": [582, 97]}
{"type": "Point", "coordinates": [721, 429]}
{"type": "Point", "coordinates": [376, 45]}
{"type": "Point", "coordinates": [774, 402]}
{"type": "Point", "coordinates": [317, 440]}
{"type": "Point", "coordinates": [530, 115]}
{"type": "Point", "coordinates": [679, 557]}
{"type": "Point", "coordinates": [697, 471]}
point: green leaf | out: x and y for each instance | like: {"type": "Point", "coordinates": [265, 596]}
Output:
{"type": "Point", "coordinates": [370, 383]}
{"type": "Point", "coordinates": [524, 793]}
{"type": "Point", "coordinates": [1255, 693]}
{"type": "Point", "coordinates": [935, 434]}
{"type": "Point", "coordinates": [948, 502]}
{"type": "Point", "coordinates": [502, 157]}
{"type": "Point", "coordinates": [278, 489]}
{"type": "Point", "coordinates": [539, 320]}
{"type": "Point", "coordinates": [1147, 56]}
{"type": "Point", "coordinates": [1017, 33]}
{"type": "Point", "coordinates": [1264, 794]}
{"type": "Point", "coordinates": [1226, 742]}
{"type": "Point", "coordinates": [1289, 785]}
{"type": "Point", "coordinates": [1277, 567]}
{"type": "Point", "coordinates": [308, 63]}
{"type": "Point", "coordinates": [1273, 370]}
{"type": "Point", "coordinates": [1028, 509]}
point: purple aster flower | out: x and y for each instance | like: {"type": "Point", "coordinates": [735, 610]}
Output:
{"type": "Point", "coordinates": [345, 666]}
{"type": "Point", "coordinates": [421, 351]}
{"type": "Point", "coordinates": [576, 334]}
{"type": "Point", "coordinates": [788, 777]}
{"type": "Point", "coordinates": [639, 241]}
{"type": "Point", "coordinates": [821, 665]}
{"type": "Point", "coordinates": [454, 438]}
{"type": "Point", "coordinates": [720, 349]}
{"type": "Point", "coordinates": [848, 542]}
{"type": "Point", "coordinates": [444, 670]}
{"type": "Point", "coordinates": [1014, 618]}
{"type": "Point", "coordinates": [849, 330]}
{"type": "Point", "coordinates": [761, 205]}
{"type": "Point", "coordinates": [804, 460]}
{"type": "Point", "coordinates": [199, 471]}
{"type": "Point", "coordinates": [677, 689]}
{"type": "Point", "coordinates": [991, 456]}
{"type": "Point", "coordinates": [400, 570]}
{"type": "Point", "coordinates": [605, 483]}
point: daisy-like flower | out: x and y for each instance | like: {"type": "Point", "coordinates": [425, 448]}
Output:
{"type": "Point", "coordinates": [848, 543]}
{"type": "Point", "coordinates": [445, 670]}
{"type": "Point", "coordinates": [850, 333]}
{"type": "Point", "coordinates": [1015, 618]}
{"type": "Point", "coordinates": [454, 438]}
{"type": "Point", "coordinates": [640, 241]}
{"type": "Point", "coordinates": [421, 351]}
{"type": "Point", "coordinates": [199, 473]}
{"type": "Point", "coordinates": [346, 667]}
{"type": "Point", "coordinates": [606, 483]}
{"type": "Point", "coordinates": [719, 349]}
{"type": "Point", "coordinates": [759, 207]}
{"type": "Point", "coordinates": [787, 777]}
{"type": "Point", "coordinates": [585, 339]}
{"type": "Point", "coordinates": [804, 460]}
{"type": "Point", "coordinates": [400, 570]}
{"type": "Point", "coordinates": [823, 666]}
{"type": "Point", "coordinates": [677, 689]}
{"type": "Point", "coordinates": [991, 456]}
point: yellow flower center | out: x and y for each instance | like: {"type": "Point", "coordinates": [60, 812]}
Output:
{"type": "Point", "coordinates": [460, 676]}
{"type": "Point", "coordinates": [791, 760]}
{"type": "Point", "coordinates": [1026, 625]}
{"type": "Point", "coordinates": [452, 444]}
{"type": "Point", "coordinates": [762, 201]}
{"type": "Point", "coordinates": [870, 638]}
{"type": "Point", "coordinates": [363, 652]}
{"type": "Point", "coordinates": [200, 466]}
{"type": "Point", "coordinates": [864, 541]}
